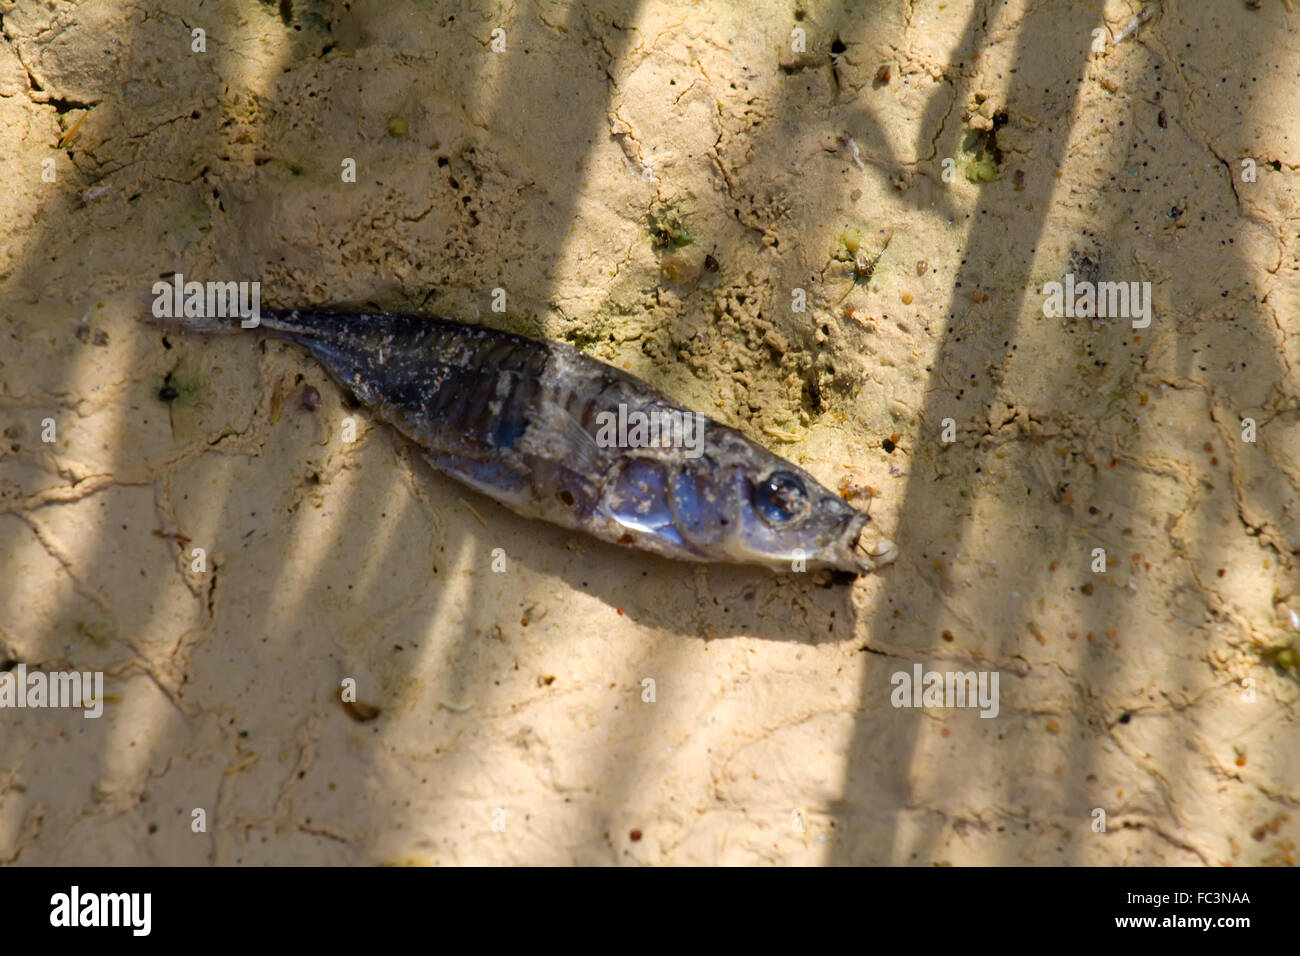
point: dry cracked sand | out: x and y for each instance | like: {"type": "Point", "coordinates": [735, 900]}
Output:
{"type": "Point", "coordinates": [663, 185]}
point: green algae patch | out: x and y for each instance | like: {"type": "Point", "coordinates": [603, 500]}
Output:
{"type": "Point", "coordinates": [980, 159]}
{"type": "Point", "coordinates": [668, 228]}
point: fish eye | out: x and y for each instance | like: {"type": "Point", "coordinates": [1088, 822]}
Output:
{"type": "Point", "coordinates": [781, 497]}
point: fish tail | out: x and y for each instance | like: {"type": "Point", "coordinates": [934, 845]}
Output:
{"type": "Point", "coordinates": [206, 306]}
{"type": "Point", "coordinates": [266, 320]}
{"type": "Point", "coordinates": [198, 323]}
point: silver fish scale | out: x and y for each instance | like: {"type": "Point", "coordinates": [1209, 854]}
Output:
{"type": "Point", "coordinates": [520, 421]}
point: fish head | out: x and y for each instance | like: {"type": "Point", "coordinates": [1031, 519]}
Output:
{"type": "Point", "coordinates": [787, 517]}
{"type": "Point", "coordinates": [744, 504]}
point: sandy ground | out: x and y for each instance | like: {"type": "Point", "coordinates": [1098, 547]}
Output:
{"type": "Point", "coordinates": [1148, 703]}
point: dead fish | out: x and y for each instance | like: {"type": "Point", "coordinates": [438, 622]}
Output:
{"type": "Point", "coordinates": [527, 423]}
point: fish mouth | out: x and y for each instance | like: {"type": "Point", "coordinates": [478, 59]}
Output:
{"type": "Point", "coordinates": [867, 549]}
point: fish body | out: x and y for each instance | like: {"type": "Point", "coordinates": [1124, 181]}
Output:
{"type": "Point", "coordinates": [533, 424]}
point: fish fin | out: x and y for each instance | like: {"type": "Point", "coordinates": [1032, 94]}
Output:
{"type": "Point", "coordinates": [497, 479]}
{"type": "Point", "coordinates": [586, 454]}
{"type": "Point", "coordinates": [559, 437]}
